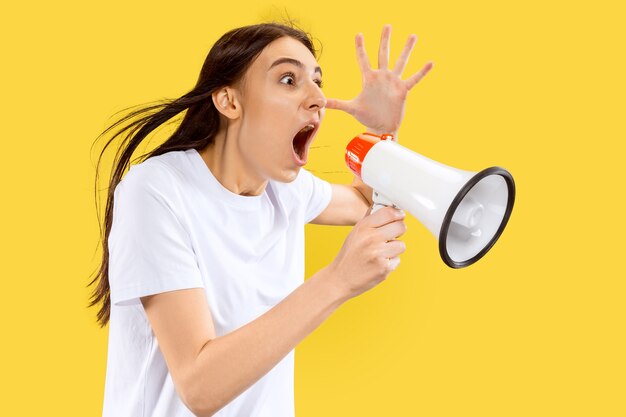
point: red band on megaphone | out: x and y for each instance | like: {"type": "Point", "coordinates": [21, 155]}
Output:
{"type": "Point", "coordinates": [358, 148]}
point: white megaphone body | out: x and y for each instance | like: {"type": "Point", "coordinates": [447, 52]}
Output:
{"type": "Point", "coordinates": [466, 211]}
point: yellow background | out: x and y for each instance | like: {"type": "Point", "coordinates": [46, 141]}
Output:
{"type": "Point", "coordinates": [536, 328]}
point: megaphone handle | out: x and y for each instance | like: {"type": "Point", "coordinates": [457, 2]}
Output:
{"type": "Point", "coordinates": [380, 201]}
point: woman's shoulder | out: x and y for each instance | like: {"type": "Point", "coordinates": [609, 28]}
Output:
{"type": "Point", "coordinates": [160, 171]}
{"type": "Point", "coordinates": [170, 165]}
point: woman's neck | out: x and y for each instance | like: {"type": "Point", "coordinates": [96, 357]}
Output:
{"type": "Point", "coordinates": [227, 164]}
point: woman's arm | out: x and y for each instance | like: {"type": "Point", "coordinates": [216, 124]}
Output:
{"type": "Point", "coordinates": [210, 371]}
{"type": "Point", "coordinates": [348, 204]}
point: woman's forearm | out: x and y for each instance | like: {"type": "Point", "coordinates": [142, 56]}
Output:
{"type": "Point", "coordinates": [228, 365]}
{"type": "Point", "coordinates": [364, 189]}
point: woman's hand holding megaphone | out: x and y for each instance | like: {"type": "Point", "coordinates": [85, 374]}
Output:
{"type": "Point", "coordinates": [370, 252]}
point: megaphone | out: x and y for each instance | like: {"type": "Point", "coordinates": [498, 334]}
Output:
{"type": "Point", "coordinates": [466, 211]}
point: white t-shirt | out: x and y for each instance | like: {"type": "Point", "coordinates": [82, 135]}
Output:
{"type": "Point", "coordinates": [174, 227]}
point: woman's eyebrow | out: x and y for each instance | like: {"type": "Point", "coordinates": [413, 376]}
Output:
{"type": "Point", "coordinates": [293, 62]}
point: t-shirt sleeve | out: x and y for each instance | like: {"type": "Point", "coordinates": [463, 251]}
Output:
{"type": "Point", "coordinates": [315, 192]}
{"type": "Point", "coordinates": [149, 249]}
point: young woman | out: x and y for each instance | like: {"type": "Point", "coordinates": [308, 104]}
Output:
{"type": "Point", "coordinates": [202, 278]}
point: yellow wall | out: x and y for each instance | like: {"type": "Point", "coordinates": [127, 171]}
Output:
{"type": "Point", "coordinates": [536, 328]}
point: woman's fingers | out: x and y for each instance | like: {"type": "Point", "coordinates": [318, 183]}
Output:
{"type": "Point", "coordinates": [392, 231]}
{"type": "Point", "coordinates": [383, 217]}
{"type": "Point", "coordinates": [393, 263]}
{"type": "Point", "coordinates": [404, 56]}
{"type": "Point", "coordinates": [393, 248]}
{"type": "Point", "coordinates": [383, 49]}
{"type": "Point", "coordinates": [414, 79]}
{"type": "Point", "coordinates": [383, 57]}
{"type": "Point", "coordinates": [361, 55]}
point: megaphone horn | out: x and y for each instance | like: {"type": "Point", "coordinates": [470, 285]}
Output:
{"type": "Point", "coordinates": [466, 211]}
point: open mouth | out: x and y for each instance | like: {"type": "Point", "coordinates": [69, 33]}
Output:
{"type": "Point", "coordinates": [302, 140]}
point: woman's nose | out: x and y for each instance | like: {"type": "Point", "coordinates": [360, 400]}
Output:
{"type": "Point", "coordinates": [316, 100]}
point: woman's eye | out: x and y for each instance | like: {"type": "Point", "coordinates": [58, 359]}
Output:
{"type": "Point", "coordinates": [290, 79]}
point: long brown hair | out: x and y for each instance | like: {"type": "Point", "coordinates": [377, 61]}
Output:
{"type": "Point", "coordinates": [226, 63]}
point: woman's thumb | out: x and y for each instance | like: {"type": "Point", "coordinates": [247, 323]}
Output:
{"type": "Point", "coordinates": [344, 105]}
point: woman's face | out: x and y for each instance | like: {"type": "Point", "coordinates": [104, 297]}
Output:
{"type": "Point", "coordinates": [281, 108]}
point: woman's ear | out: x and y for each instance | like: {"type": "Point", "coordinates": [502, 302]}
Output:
{"type": "Point", "coordinates": [226, 103]}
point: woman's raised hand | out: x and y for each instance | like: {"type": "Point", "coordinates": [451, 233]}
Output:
{"type": "Point", "coordinates": [380, 105]}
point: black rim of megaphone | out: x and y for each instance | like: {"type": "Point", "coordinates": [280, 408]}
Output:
{"type": "Point", "coordinates": [443, 250]}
